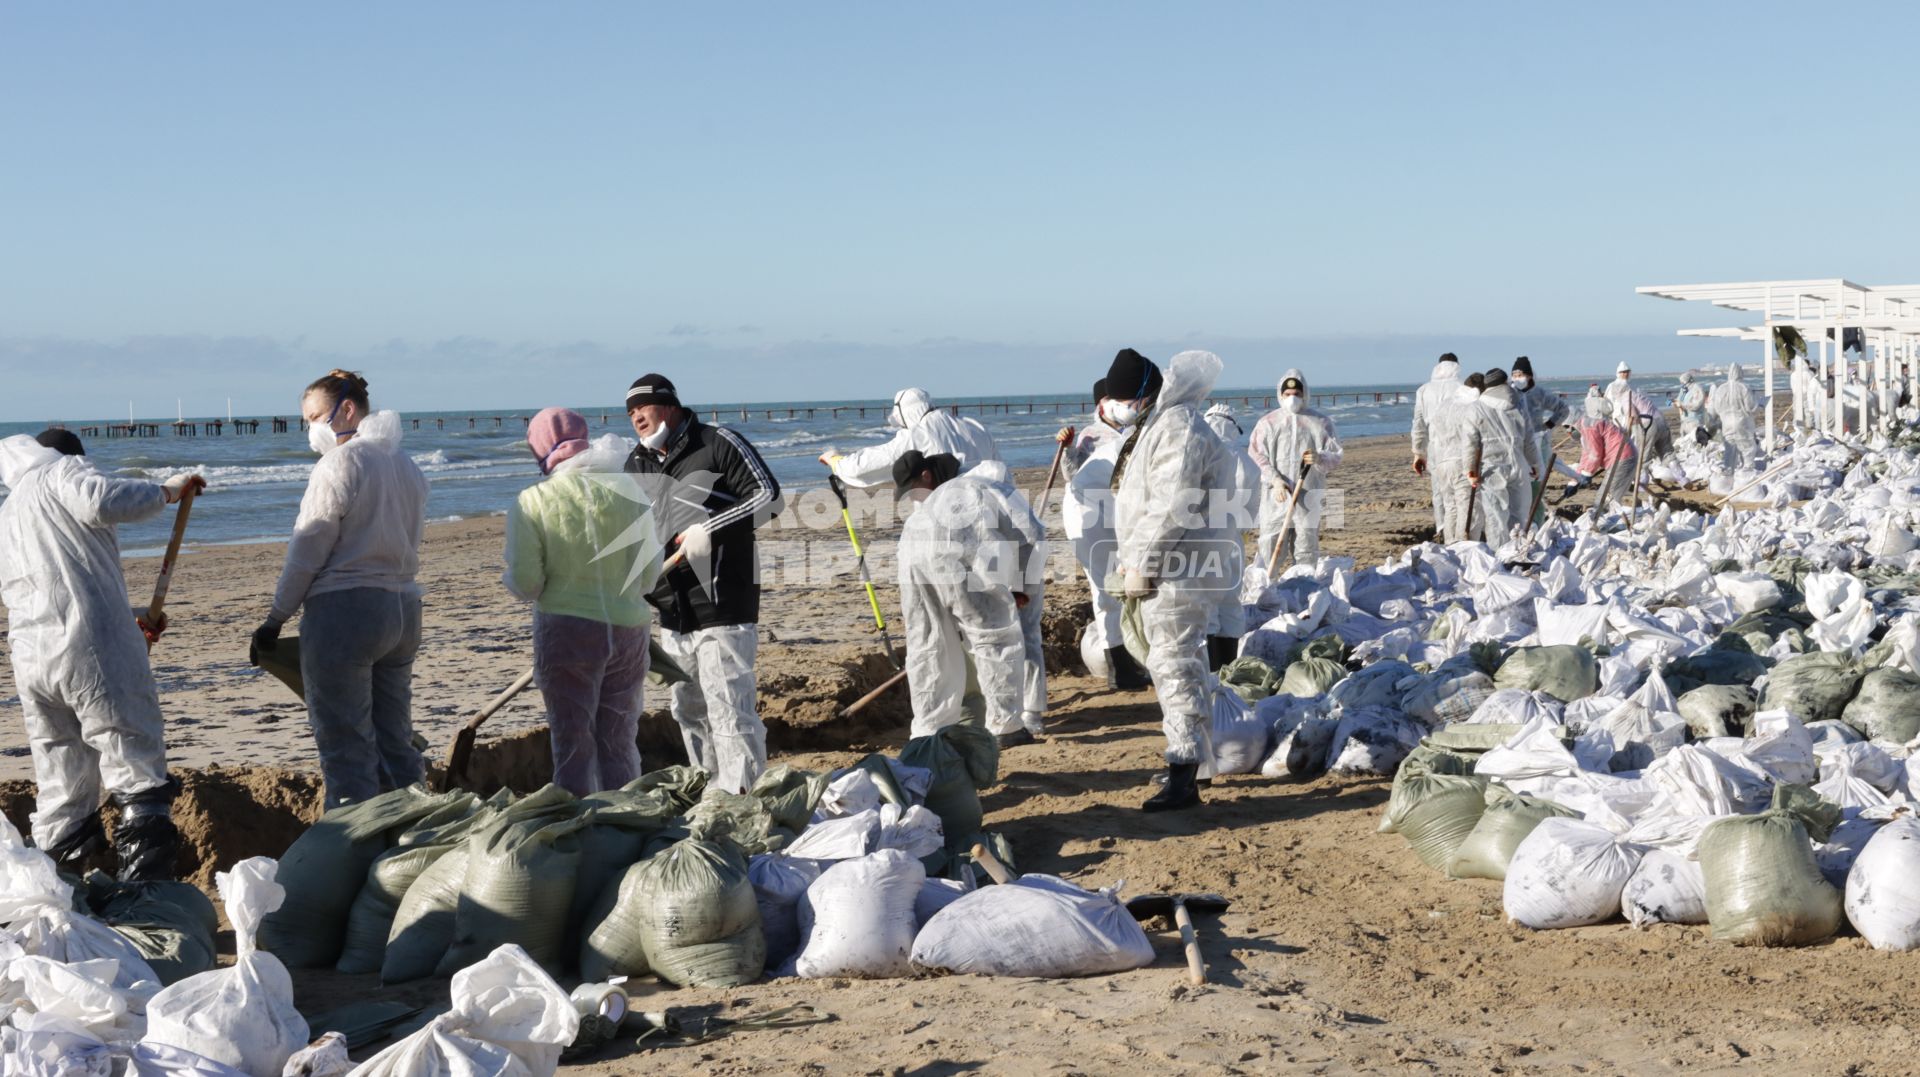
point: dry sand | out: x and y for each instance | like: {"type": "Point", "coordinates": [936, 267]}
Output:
{"type": "Point", "coordinates": [1342, 953]}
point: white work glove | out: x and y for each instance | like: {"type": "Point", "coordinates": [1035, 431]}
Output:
{"type": "Point", "coordinates": [1135, 584]}
{"type": "Point", "coordinates": [177, 486]}
{"type": "Point", "coordinates": [696, 542]}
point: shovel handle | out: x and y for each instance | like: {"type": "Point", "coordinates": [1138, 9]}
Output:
{"type": "Point", "coordinates": [998, 871]}
{"type": "Point", "coordinates": [519, 685]}
{"type": "Point", "coordinates": [860, 704]}
{"type": "Point", "coordinates": [1190, 941]}
{"type": "Point", "coordinates": [1280, 537]}
{"type": "Point", "coordinates": [165, 579]}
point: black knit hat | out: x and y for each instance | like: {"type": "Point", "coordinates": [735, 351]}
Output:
{"type": "Point", "coordinates": [1523, 365]}
{"type": "Point", "coordinates": [652, 389]}
{"type": "Point", "coordinates": [61, 440]}
{"type": "Point", "coordinates": [1496, 376]}
{"type": "Point", "coordinates": [1132, 376]}
{"type": "Point", "coordinates": [1099, 390]}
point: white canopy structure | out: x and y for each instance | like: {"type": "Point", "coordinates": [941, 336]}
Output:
{"type": "Point", "coordinates": [1885, 318]}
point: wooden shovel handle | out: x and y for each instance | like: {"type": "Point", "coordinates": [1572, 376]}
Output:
{"type": "Point", "coordinates": [995, 869]}
{"type": "Point", "coordinates": [1196, 968]}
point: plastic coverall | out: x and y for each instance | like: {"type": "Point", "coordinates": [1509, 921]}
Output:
{"type": "Point", "coordinates": [79, 660]}
{"type": "Point", "coordinates": [918, 425]}
{"type": "Point", "coordinates": [1546, 411]}
{"type": "Point", "coordinates": [1086, 514]}
{"type": "Point", "coordinates": [1606, 450]}
{"type": "Point", "coordinates": [1229, 619]}
{"type": "Point", "coordinates": [582, 547]}
{"type": "Point", "coordinates": [1692, 403]}
{"type": "Point", "coordinates": [1509, 458]}
{"type": "Point", "coordinates": [1732, 404]}
{"type": "Point", "coordinates": [1175, 530]}
{"type": "Point", "coordinates": [1619, 393]}
{"type": "Point", "coordinates": [351, 562]}
{"type": "Point", "coordinates": [1806, 387]}
{"type": "Point", "coordinates": [1455, 495]}
{"type": "Point", "coordinates": [1279, 439]}
{"type": "Point", "coordinates": [1438, 438]}
{"type": "Point", "coordinates": [964, 551]}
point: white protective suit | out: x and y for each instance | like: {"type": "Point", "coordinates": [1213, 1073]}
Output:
{"type": "Point", "coordinates": [1547, 413]}
{"type": "Point", "coordinates": [1086, 514]}
{"type": "Point", "coordinates": [1279, 440]}
{"type": "Point", "coordinates": [1509, 459]}
{"type": "Point", "coordinates": [79, 660]}
{"type": "Point", "coordinates": [1437, 439]}
{"type": "Point", "coordinates": [1455, 494]}
{"type": "Point", "coordinates": [1692, 403]}
{"type": "Point", "coordinates": [1732, 404]}
{"type": "Point", "coordinates": [1176, 532]}
{"type": "Point", "coordinates": [919, 425]}
{"type": "Point", "coordinates": [1806, 385]}
{"type": "Point", "coordinates": [1619, 393]}
{"type": "Point", "coordinates": [1242, 483]}
{"type": "Point", "coordinates": [964, 551]}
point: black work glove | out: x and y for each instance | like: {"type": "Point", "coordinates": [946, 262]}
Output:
{"type": "Point", "coordinates": [266, 640]}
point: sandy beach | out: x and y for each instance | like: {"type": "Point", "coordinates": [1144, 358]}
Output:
{"type": "Point", "coordinates": [1341, 952]}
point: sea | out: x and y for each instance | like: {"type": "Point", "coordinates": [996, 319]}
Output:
{"type": "Point", "coordinates": [255, 480]}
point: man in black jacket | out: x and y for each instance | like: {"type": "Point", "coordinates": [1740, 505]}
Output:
{"type": "Point", "coordinates": [710, 491]}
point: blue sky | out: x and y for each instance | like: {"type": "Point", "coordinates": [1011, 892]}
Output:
{"type": "Point", "coordinates": [508, 204]}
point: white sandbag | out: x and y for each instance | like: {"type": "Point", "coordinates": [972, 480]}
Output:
{"type": "Point", "coordinates": [1092, 655]}
{"type": "Point", "coordinates": [913, 830]}
{"type": "Point", "coordinates": [78, 996]}
{"type": "Point", "coordinates": [1372, 740]}
{"type": "Point", "coordinates": [1538, 750]}
{"type": "Point", "coordinates": [1040, 926]}
{"type": "Point", "coordinates": [1836, 856]}
{"type": "Point", "coordinates": [242, 1015]}
{"type": "Point", "coordinates": [1858, 776]}
{"type": "Point", "coordinates": [1889, 538]}
{"type": "Point", "coordinates": [1749, 592]}
{"type": "Point", "coordinates": [1240, 738]}
{"type": "Point", "coordinates": [154, 1060]}
{"type": "Point", "coordinates": [779, 881]}
{"type": "Point", "coordinates": [1451, 693]}
{"type": "Point", "coordinates": [1666, 888]}
{"type": "Point", "coordinates": [1567, 873]}
{"type": "Point", "coordinates": [1570, 625]}
{"type": "Point", "coordinates": [1883, 891]}
{"type": "Point", "coordinates": [1517, 706]}
{"type": "Point", "coordinates": [1843, 618]}
{"type": "Point", "coordinates": [937, 894]}
{"type": "Point", "coordinates": [508, 1019]}
{"type": "Point", "coordinates": [1303, 752]}
{"type": "Point", "coordinates": [849, 793]}
{"type": "Point", "coordinates": [1690, 780]}
{"type": "Point", "coordinates": [857, 918]}
{"type": "Point", "coordinates": [38, 1044]}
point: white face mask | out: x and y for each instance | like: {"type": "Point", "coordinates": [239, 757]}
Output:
{"type": "Point", "coordinates": [320, 435]}
{"type": "Point", "coordinates": [658, 439]}
{"type": "Point", "coordinates": [1122, 413]}
{"type": "Point", "coordinates": [1292, 404]}
{"type": "Point", "coordinates": [1520, 381]}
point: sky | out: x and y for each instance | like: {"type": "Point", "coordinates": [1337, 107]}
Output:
{"type": "Point", "coordinates": [509, 205]}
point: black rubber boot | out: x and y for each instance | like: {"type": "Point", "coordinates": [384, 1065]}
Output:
{"type": "Point", "coordinates": [147, 847]}
{"type": "Point", "coordinates": [1128, 675]}
{"type": "Point", "coordinates": [71, 853]}
{"type": "Point", "coordinates": [1014, 739]}
{"type": "Point", "coordinates": [1180, 791]}
{"type": "Point", "coordinates": [1220, 651]}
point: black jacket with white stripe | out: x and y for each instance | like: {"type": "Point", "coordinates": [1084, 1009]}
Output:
{"type": "Point", "coordinates": [713, 474]}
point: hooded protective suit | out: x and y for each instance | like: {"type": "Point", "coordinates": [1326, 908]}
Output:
{"type": "Point", "coordinates": [918, 425]}
{"type": "Point", "coordinates": [1692, 403]}
{"type": "Point", "coordinates": [964, 551]}
{"type": "Point", "coordinates": [1437, 437]}
{"type": "Point", "coordinates": [351, 563]}
{"type": "Point", "coordinates": [1086, 514]}
{"type": "Point", "coordinates": [79, 661]}
{"type": "Point", "coordinates": [1619, 393]}
{"type": "Point", "coordinates": [582, 547]}
{"type": "Point", "coordinates": [1509, 458]}
{"type": "Point", "coordinates": [1176, 534]}
{"type": "Point", "coordinates": [1546, 411]}
{"type": "Point", "coordinates": [1732, 404]}
{"type": "Point", "coordinates": [1279, 440]}
{"type": "Point", "coordinates": [1243, 484]}
{"type": "Point", "coordinates": [1806, 387]}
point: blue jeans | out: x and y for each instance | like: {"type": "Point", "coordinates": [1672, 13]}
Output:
{"type": "Point", "coordinates": [356, 657]}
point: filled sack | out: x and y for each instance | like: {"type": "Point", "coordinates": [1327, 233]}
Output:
{"type": "Point", "coordinates": [1039, 926]}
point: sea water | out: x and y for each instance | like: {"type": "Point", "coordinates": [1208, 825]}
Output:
{"type": "Point", "coordinates": [255, 480]}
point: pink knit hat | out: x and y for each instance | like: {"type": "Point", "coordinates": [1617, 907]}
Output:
{"type": "Point", "coordinates": [557, 434]}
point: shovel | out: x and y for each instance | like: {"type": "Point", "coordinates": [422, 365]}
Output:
{"type": "Point", "coordinates": [1280, 538]}
{"type": "Point", "coordinates": [1181, 908]}
{"type": "Point", "coordinates": [152, 622]}
{"type": "Point", "coordinates": [462, 751]}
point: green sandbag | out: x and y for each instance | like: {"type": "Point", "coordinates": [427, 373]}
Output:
{"type": "Point", "coordinates": [1473, 739]}
{"type": "Point", "coordinates": [323, 869]}
{"type": "Point", "coordinates": [1330, 647]}
{"type": "Point", "coordinates": [1133, 627]}
{"type": "Point", "coordinates": [688, 915]}
{"type": "Point", "coordinates": [964, 759]}
{"type": "Point", "coordinates": [392, 873]}
{"type": "Point", "coordinates": [790, 795]}
{"type": "Point", "coordinates": [1508, 819]}
{"type": "Point", "coordinates": [1887, 707]}
{"type": "Point", "coordinates": [1813, 687]}
{"type": "Point", "coordinates": [883, 779]}
{"type": "Point", "coordinates": [1718, 710]}
{"type": "Point", "coordinates": [1565, 672]}
{"type": "Point", "coordinates": [683, 784]}
{"type": "Point", "coordinates": [1442, 819]}
{"type": "Point", "coordinates": [423, 925]}
{"type": "Point", "coordinates": [1423, 762]}
{"type": "Point", "coordinates": [740, 818]}
{"type": "Point", "coordinates": [619, 826]}
{"type": "Point", "coordinates": [1250, 678]}
{"type": "Point", "coordinates": [1728, 667]}
{"type": "Point", "coordinates": [172, 924]}
{"type": "Point", "coordinates": [522, 870]}
{"type": "Point", "coordinates": [1764, 887]}
{"type": "Point", "coordinates": [1763, 628]}
{"type": "Point", "coordinates": [662, 670]}
{"type": "Point", "coordinates": [1310, 678]}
